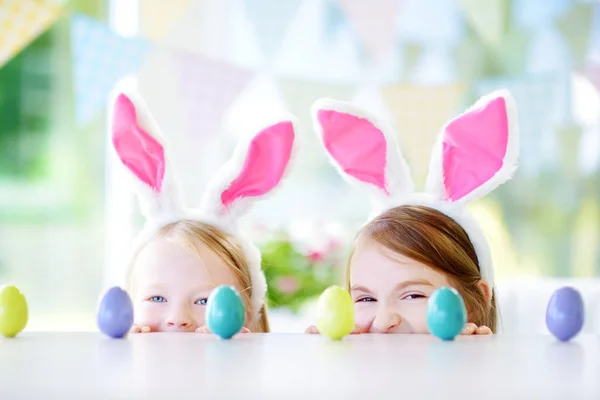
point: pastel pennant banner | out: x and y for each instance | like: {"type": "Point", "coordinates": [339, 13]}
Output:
{"type": "Point", "coordinates": [420, 112]}
{"type": "Point", "coordinates": [100, 59]}
{"type": "Point", "coordinates": [543, 104]}
{"type": "Point", "coordinates": [271, 20]}
{"type": "Point", "coordinates": [21, 21]}
{"type": "Point", "coordinates": [548, 53]}
{"type": "Point", "coordinates": [207, 88]}
{"type": "Point", "coordinates": [489, 18]}
{"type": "Point", "coordinates": [158, 17]}
{"type": "Point", "coordinates": [431, 22]}
{"type": "Point", "coordinates": [575, 26]}
{"type": "Point", "coordinates": [537, 15]}
{"type": "Point", "coordinates": [299, 96]}
{"type": "Point", "coordinates": [411, 53]}
{"type": "Point", "coordinates": [376, 23]}
{"type": "Point", "coordinates": [334, 18]}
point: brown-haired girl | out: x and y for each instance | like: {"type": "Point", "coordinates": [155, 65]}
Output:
{"type": "Point", "coordinates": [416, 243]}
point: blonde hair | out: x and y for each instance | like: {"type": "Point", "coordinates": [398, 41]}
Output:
{"type": "Point", "coordinates": [225, 246]}
{"type": "Point", "coordinates": [436, 240]}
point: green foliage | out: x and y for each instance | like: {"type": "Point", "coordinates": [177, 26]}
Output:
{"type": "Point", "coordinates": [294, 276]}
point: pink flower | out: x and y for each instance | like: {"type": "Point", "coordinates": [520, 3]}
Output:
{"type": "Point", "coordinates": [287, 284]}
{"type": "Point", "coordinates": [315, 256]}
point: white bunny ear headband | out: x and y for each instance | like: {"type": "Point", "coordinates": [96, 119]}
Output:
{"type": "Point", "coordinates": [475, 153]}
{"type": "Point", "coordinates": [255, 169]}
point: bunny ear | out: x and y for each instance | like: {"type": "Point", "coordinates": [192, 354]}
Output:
{"type": "Point", "coordinates": [477, 151]}
{"type": "Point", "coordinates": [137, 141]}
{"type": "Point", "coordinates": [254, 170]}
{"type": "Point", "coordinates": [363, 150]}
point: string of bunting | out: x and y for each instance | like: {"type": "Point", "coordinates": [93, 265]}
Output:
{"type": "Point", "coordinates": [101, 57]}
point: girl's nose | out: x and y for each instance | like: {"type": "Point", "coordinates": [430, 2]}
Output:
{"type": "Point", "coordinates": [385, 321]}
{"type": "Point", "coordinates": [179, 318]}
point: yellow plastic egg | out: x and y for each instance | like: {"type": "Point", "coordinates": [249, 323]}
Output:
{"type": "Point", "coordinates": [335, 313]}
{"type": "Point", "coordinates": [13, 311]}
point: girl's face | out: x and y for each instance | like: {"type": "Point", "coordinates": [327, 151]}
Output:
{"type": "Point", "coordinates": [390, 291]}
{"type": "Point", "coordinates": [171, 285]}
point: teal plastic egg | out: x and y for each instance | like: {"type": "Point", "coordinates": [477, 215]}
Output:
{"type": "Point", "coordinates": [446, 313]}
{"type": "Point", "coordinates": [225, 312]}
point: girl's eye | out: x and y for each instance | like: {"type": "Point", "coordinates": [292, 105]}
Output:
{"type": "Point", "coordinates": [157, 299]}
{"type": "Point", "coordinates": [201, 302]}
{"type": "Point", "coordinates": [414, 296]}
{"type": "Point", "coordinates": [365, 299]}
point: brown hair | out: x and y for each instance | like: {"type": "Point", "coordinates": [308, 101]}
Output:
{"type": "Point", "coordinates": [225, 246]}
{"type": "Point", "coordinates": [436, 240]}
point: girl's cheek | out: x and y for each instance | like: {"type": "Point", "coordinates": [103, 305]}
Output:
{"type": "Point", "coordinates": [416, 317]}
{"type": "Point", "coordinates": [362, 319]}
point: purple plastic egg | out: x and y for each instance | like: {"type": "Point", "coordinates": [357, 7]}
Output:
{"type": "Point", "coordinates": [564, 315]}
{"type": "Point", "coordinates": [115, 313]}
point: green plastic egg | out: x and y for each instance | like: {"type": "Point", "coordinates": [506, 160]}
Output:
{"type": "Point", "coordinates": [13, 311]}
{"type": "Point", "coordinates": [335, 313]}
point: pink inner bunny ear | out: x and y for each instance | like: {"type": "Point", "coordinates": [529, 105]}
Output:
{"type": "Point", "coordinates": [138, 150]}
{"type": "Point", "coordinates": [358, 146]}
{"type": "Point", "coordinates": [474, 147]}
{"type": "Point", "coordinates": [267, 158]}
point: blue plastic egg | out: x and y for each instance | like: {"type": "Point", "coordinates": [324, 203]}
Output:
{"type": "Point", "coordinates": [225, 312]}
{"type": "Point", "coordinates": [446, 313]}
{"type": "Point", "coordinates": [565, 313]}
{"type": "Point", "coordinates": [115, 313]}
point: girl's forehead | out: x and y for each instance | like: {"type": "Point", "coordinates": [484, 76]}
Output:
{"type": "Point", "coordinates": [376, 264]}
{"type": "Point", "coordinates": [167, 257]}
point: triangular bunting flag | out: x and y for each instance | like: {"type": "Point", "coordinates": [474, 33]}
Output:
{"type": "Point", "coordinates": [420, 112]}
{"type": "Point", "coordinates": [535, 15]}
{"type": "Point", "coordinates": [100, 59]}
{"type": "Point", "coordinates": [207, 88]}
{"type": "Point", "coordinates": [299, 96]}
{"type": "Point", "coordinates": [548, 53]}
{"type": "Point", "coordinates": [489, 19]}
{"type": "Point", "coordinates": [411, 53]}
{"type": "Point", "coordinates": [271, 20]}
{"type": "Point", "coordinates": [575, 26]}
{"type": "Point", "coordinates": [21, 21]}
{"type": "Point", "coordinates": [376, 23]}
{"type": "Point", "coordinates": [510, 58]}
{"type": "Point", "coordinates": [158, 17]}
{"type": "Point", "coordinates": [334, 18]}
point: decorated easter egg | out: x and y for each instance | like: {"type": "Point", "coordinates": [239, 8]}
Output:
{"type": "Point", "coordinates": [564, 315]}
{"type": "Point", "coordinates": [335, 313]}
{"type": "Point", "coordinates": [225, 312]}
{"type": "Point", "coordinates": [13, 311]}
{"type": "Point", "coordinates": [446, 313]}
{"type": "Point", "coordinates": [115, 313]}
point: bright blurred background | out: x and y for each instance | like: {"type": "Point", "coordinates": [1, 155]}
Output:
{"type": "Point", "coordinates": [213, 70]}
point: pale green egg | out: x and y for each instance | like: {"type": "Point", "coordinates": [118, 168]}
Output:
{"type": "Point", "coordinates": [13, 311]}
{"type": "Point", "coordinates": [335, 313]}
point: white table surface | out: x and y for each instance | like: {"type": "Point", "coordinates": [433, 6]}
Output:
{"type": "Point", "coordinates": [263, 366]}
